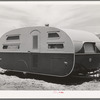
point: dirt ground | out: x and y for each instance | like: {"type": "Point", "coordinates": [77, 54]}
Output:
{"type": "Point", "coordinates": [15, 83]}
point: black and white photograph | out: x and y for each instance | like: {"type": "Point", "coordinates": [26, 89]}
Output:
{"type": "Point", "coordinates": [50, 45]}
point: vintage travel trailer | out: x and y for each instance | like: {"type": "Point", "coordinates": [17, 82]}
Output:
{"type": "Point", "coordinates": [50, 51]}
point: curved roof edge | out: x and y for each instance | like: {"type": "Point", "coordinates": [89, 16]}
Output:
{"type": "Point", "coordinates": [80, 35]}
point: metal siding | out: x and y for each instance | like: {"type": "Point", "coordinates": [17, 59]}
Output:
{"type": "Point", "coordinates": [38, 63]}
{"type": "Point", "coordinates": [88, 61]}
{"type": "Point", "coordinates": [34, 60]}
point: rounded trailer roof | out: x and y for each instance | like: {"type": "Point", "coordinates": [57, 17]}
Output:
{"type": "Point", "coordinates": [27, 30]}
{"type": "Point", "coordinates": [75, 35]}
{"type": "Point", "coordinates": [79, 35]}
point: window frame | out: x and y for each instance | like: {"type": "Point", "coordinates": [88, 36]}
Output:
{"type": "Point", "coordinates": [51, 32]}
{"type": "Point", "coordinates": [55, 43]}
{"type": "Point", "coordinates": [93, 50]}
{"type": "Point", "coordinates": [7, 36]}
{"type": "Point", "coordinates": [37, 45]}
{"type": "Point", "coordinates": [12, 46]}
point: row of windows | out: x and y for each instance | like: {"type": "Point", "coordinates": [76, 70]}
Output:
{"type": "Point", "coordinates": [12, 46]}
{"type": "Point", "coordinates": [55, 45]}
{"type": "Point", "coordinates": [50, 46]}
{"type": "Point", "coordinates": [16, 37]}
{"type": "Point", "coordinates": [35, 42]}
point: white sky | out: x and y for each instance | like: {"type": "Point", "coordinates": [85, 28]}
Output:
{"type": "Point", "coordinates": [58, 14]}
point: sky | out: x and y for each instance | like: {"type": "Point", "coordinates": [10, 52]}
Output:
{"type": "Point", "coordinates": [82, 16]}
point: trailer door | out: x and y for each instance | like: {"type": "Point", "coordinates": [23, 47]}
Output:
{"type": "Point", "coordinates": [34, 58]}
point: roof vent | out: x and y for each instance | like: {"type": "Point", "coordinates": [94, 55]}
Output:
{"type": "Point", "coordinates": [47, 25]}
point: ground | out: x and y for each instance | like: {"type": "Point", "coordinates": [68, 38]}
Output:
{"type": "Point", "coordinates": [13, 82]}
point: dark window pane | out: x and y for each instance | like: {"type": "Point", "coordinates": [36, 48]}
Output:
{"type": "Point", "coordinates": [5, 47]}
{"type": "Point", "coordinates": [54, 46]}
{"type": "Point", "coordinates": [12, 38]}
{"type": "Point", "coordinates": [51, 35]}
{"type": "Point", "coordinates": [35, 42]}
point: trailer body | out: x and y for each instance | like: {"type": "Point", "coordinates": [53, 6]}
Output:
{"type": "Point", "coordinates": [50, 51]}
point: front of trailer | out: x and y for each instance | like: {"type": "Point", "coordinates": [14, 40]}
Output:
{"type": "Point", "coordinates": [87, 53]}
